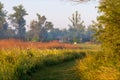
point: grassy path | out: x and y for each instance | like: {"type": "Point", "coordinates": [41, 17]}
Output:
{"type": "Point", "coordinates": [64, 71]}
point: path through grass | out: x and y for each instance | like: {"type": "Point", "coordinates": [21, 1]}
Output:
{"type": "Point", "coordinates": [64, 71]}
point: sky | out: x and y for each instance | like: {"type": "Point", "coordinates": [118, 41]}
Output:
{"type": "Point", "coordinates": [56, 11]}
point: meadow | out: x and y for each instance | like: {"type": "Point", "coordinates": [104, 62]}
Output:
{"type": "Point", "coordinates": [86, 61]}
{"type": "Point", "coordinates": [19, 63]}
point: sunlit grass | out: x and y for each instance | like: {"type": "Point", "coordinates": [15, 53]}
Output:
{"type": "Point", "coordinates": [19, 64]}
{"type": "Point", "coordinates": [99, 66]}
{"type": "Point", "coordinates": [92, 63]}
{"type": "Point", "coordinates": [90, 46]}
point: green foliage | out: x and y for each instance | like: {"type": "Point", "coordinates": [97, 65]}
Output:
{"type": "Point", "coordinates": [39, 29]}
{"type": "Point", "coordinates": [77, 28]}
{"type": "Point", "coordinates": [3, 22]}
{"type": "Point", "coordinates": [109, 21]}
{"type": "Point", "coordinates": [99, 66]}
{"type": "Point", "coordinates": [76, 21]}
{"type": "Point", "coordinates": [18, 21]}
{"type": "Point", "coordinates": [2, 15]}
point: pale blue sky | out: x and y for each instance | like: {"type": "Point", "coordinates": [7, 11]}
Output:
{"type": "Point", "coordinates": [56, 11]}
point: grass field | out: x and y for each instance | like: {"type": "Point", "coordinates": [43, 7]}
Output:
{"type": "Point", "coordinates": [87, 62]}
{"type": "Point", "coordinates": [67, 70]}
{"type": "Point", "coordinates": [20, 63]}
{"type": "Point", "coordinates": [64, 71]}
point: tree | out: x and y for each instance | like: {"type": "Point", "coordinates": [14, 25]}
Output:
{"type": "Point", "coordinates": [39, 29]}
{"type": "Point", "coordinates": [110, 25]}
{"type": "Point", "coordinates": [90, 34]}
{"type": "Point", "coordinates": [54, 34]}
{"type": "Point", "coordinates": [77, 28]}
{"type": "Point", "coordinates": [3, 22]}
{"type": "Point", "coordinates": [18, 21]}
{"type": "Point", "coordinates": [76, 21]}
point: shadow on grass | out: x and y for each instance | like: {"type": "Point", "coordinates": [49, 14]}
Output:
{"type": "Point", "coordinates": [63, 71]}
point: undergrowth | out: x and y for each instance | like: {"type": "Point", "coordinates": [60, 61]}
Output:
{"type": "Point", "coordinates": [99, 66]}
{"type": "Point", "coordinates": [19, 64]}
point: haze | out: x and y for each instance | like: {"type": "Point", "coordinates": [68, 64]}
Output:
{"type": "Point", "coordinates": [56, 11]}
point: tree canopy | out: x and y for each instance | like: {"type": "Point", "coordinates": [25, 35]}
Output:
{"type": "Point", "coordinates": [3, 21]}
{"type": "Point", "coordinates": [18, 21]}
{"type": "Point", "coordinates": [110, 22]}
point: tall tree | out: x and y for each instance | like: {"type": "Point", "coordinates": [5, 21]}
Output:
{"type": "Point", "coordinates": [110, 25]}
{"type": "Point", "coordinates": [77, 28]}
{"type": "Point", "coordinates": [76, 21]}
{"type": "Point", "coordinates": [39, 29]}
{"type": "Point", "coordinates": [18, 21]}
{"type": "Point", "coordinates": [3, 22]}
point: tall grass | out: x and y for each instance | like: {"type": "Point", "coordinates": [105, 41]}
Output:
{"type": "Point", "coordinates": [19, 64]}
{"type": "Point", "coordinates": [99, 66]}
{"type": "Point", "coordinates": [13, 43]}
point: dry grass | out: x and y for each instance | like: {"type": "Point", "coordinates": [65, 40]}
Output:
{"type": "Point", "coordinates": [12, 43]}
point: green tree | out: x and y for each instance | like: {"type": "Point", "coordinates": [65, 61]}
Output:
{"type": "Point", "coordinates": [18, 21]}
{"type": "Point", "coordinates": [33, 33]}
{"type": "Point", "coordinates": [76, 21]}
{"type": "Point", "coordinates": [90, 34]}
{"type": "Point", "coordinates": [110, 25]}
{"type": "Point", "coordinates": [3, 22]}
{"type": "Point", "coordinates": [39, 29]}
{"type": "Point", "coordinates": [55, 34]}
{"type": "Point", "coordinates": [77, 28]}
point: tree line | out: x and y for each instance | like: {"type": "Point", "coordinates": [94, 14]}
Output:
{"type": "Point", "coordinates": [13, 26]}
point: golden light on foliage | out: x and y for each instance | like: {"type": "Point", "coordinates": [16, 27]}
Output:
{"type": "Point", "coordinates": [19, 64]}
